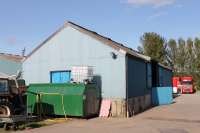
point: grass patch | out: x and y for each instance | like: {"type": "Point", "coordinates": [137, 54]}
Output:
{"type": "Point", "coordinates": [35, 125]}
{"type": "Point", "coordinates": [46, 122]}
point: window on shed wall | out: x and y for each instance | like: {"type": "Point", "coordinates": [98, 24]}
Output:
{"type": "Point", "coordinates": [60, 76]}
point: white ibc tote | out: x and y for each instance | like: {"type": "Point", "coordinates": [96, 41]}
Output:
{"type": "Point", "coordinates": [82, 73]}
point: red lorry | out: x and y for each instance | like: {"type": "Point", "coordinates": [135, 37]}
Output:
{"type": "Point", "coordinates": [183, 84]}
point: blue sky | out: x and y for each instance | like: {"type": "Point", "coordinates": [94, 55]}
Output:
{"type": "Point", "coordinates": [26, 23]}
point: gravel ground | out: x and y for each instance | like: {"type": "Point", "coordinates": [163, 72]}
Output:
{"type": "Point", "coordinates": [183, 116]}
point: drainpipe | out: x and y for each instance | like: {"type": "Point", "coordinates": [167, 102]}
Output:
{"type": "Point", "coordinates": [126, 75]}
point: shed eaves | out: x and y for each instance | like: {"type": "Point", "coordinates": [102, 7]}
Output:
{"type": "Point", "coordinates": [164, 66]}
{"type": "Point", "coordinates": [105, 40]}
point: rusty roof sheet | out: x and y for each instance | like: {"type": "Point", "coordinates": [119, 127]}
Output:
{"type": "Point", "coordinates": [16, 58]}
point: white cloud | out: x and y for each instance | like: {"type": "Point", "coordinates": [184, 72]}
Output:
{"type": "Point", "coordinates": [154, 3]}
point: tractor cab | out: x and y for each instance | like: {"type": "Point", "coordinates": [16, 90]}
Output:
{"type": "Point", "coordinates": [12, 98]}
{"type": "Point", "coordinates": [4, 87]}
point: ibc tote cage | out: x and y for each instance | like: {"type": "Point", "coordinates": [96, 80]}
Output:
{"type": "Point", "coordinates": [82, 74]}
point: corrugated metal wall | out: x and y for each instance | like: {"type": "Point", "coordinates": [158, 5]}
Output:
{"type": "Point", "coordinates": [161, 76]}
{"type": "Point", "coordinates": [73, 48]}
{"type": "Point", "coordinates": [165, 77]}
{"type": "Point", "coordinates": [10, 67]}
{"type": "Point", "coordinates": [149, 75]}
{"type": "Point", "coordinates": [137, 77]}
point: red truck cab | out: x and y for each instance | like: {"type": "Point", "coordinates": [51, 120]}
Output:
{"type": "Point", "coordinates": [187, 84]}
{"type": "Point", "coordinates": [183, 84]}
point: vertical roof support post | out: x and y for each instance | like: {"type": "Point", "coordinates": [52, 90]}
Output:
{"type": "Point", "coordinates": [126, 78]}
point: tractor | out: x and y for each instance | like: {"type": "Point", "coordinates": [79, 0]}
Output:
{"type": "Point", "coordinates": [12, 96]}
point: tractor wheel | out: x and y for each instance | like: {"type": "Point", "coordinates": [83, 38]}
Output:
{"type": "Point", "coordinates": [6, 109]}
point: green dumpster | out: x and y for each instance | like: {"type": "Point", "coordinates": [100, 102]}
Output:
{"type": "Point", "coordinates": [68, 99]}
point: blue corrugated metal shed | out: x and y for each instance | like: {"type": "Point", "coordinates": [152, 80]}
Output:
{"type": "Point", "coordinates": [78, 46]}
{"type": "Point", "coordinates": [127, 78]}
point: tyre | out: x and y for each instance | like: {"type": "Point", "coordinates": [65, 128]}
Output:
{"type": "Point", "coordinates": [179, 91]}
{"type": "Point", "coordinates": [5, 109]}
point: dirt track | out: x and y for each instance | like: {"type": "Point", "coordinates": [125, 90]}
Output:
{"type": "Point", "coordinates": [181, 117]}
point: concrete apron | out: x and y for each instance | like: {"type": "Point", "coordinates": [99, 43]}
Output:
{"type": "Point", "coordinates": [135, 106]}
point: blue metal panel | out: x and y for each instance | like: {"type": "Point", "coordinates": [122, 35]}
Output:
{"type": "Point", "coordinates": [60, 77]}
{"type": "Point", "coordinates": [55, 77]}
{"type": "Point", "coordinates": [65, 77]}
{"type": "Point", "coordinates": [161, 95]}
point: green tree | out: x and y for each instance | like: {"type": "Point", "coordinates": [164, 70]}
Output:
{"type": "Point", "coordinates": [190, 56]}
{"type": "Point", "coordinates": [171, 53]}
{"type": "Point", "coordinates": [196, 63]}
{"type": "Point", "coordinates": [181, 56]}
{"type": "Point", "coordinates": [153, 45]}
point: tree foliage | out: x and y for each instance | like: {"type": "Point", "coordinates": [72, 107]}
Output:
{"type": "Point", "coordinates": [183, 55]}
{"type": "Point", "coordinates": [171, 53]}
{"type": "Point", "coordinates": [153, 45]}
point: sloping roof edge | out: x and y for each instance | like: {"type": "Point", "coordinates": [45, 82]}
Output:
{"type": "Point", "coordinates": [97, 36]}
{"type": "Point", "coordinates": [3, 76]}
{"type": "Point", "coordinates": [49, 38]}
{"type": "Point", "coordinates": [16, 58]}
{"type": "Point", "coordinates": [109, 42]}
{"type": "Point", "coordinates": [166, 67]}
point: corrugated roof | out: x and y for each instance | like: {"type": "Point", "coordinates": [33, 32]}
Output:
{"type": "Point", "coordinates": [3, 76]}
{"type": "Point", "coordinates": [105, 40]}
{"type": "Point", "coordinates": [16, 58]}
